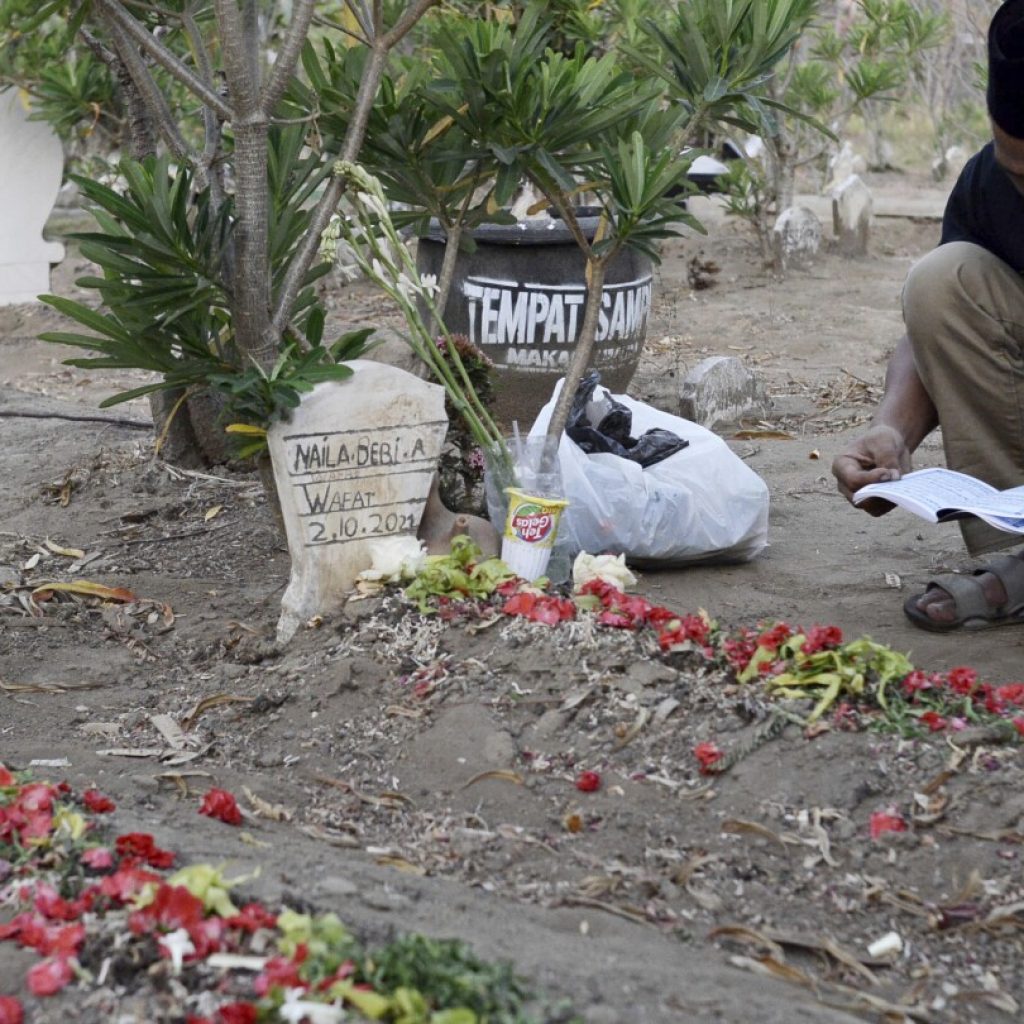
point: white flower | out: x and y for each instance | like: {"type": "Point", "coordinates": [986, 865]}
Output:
{"type": "Point", "coordinates": [295, 1010]}
{"type": "Point", "coordinates": [394, 559]}
{"type": "Point", "coordinates": [372, 203]}
{"type": "Point", "coordinates": [407, 288]}
{"type": "Point", "coordinates": [178, 946]}
{"type": "Point", "coordinates": [608, 568]}
{"type": "Point", "coordinates": [429, 285]}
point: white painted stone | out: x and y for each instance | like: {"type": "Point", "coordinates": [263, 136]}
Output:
{"type": "Point", "coordinates": [852, 211]}
{"type": "Point", "coordinates": [797, 236]}
{"type": "Point", "coordinates": [844, 163]}
{"type": "Point", "coordinates": [353, 465]}
{"type": "Point", "coordinates": [950, 163]}
{"type": "Point", "coordinates": [31, 166]}
{"type": "Point", "coordinates": [722, 391]}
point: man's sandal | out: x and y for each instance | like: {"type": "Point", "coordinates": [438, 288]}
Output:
{"type": "Point", "coordinates": [972, 609]}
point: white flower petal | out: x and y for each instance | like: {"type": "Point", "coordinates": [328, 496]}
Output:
{"type": "Point", "coordinates": [611, 569]}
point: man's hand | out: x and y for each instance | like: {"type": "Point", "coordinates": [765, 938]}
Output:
{"type": "Point", "coordinates": [880, 455]}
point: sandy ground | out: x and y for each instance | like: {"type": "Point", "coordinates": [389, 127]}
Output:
{"type": "Point", "coordinates": [820, 339]}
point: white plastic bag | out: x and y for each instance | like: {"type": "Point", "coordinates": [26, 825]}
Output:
{"type": "Point", "coordinates": [702, 504]}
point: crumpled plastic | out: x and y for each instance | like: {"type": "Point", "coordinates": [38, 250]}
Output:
{"type": "Point", "coordinates": [602, 424]}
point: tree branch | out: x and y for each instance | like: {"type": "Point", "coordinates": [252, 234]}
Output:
{"type": "Point", "coordinates": [152, 96]}
{"type": "Point", "coordinates": [364, 19]}
{"type": "Point", "coordinates": [353, 142]}
{"type": "Point", "coordinates": [211, 123]}
{"type": "Point", "coordinates": [237, 67]}
{"type": "Point", "coordinates": [401, 28]}
{"type": "Point", "coordinates": [288, 55]}
{"type": "Point", "coordinates": [142, 142]}
{"type": "Point", "coordinates": [167, 60]}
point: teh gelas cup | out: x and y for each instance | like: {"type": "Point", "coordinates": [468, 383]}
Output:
{"type": "Point", "coordinates": [530, 530]}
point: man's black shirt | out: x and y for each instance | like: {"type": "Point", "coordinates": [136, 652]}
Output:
{"type": "Point", "coordinates": [985, 208]}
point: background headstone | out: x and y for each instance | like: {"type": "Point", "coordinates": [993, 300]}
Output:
{"type": "Point", "coordinates": [354, 464]}
{"type": "Point", "coordinates": [721, 391]}
{"type": "Point", "coordinates": [844, 163]}
{"type": "Point", "coordinates": [796, 236]}
{"type": "Point", "coordinates": [31, 167]}
{"type": "Point", "coordinates": [852, 209]}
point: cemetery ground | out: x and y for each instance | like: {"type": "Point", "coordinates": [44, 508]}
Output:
{"type": "Point", "coordinates": [418, 773]}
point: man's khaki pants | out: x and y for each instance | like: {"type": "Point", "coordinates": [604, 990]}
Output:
{"type": "Point", "coordinates": [964, 314]}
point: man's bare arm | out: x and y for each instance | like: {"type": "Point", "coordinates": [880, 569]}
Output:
{"type": "Point", "coordinates": [905, 416]}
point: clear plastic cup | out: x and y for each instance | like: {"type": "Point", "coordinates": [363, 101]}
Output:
{"type": "Point", "coordinates": [531, 527]}
{"type": "Point", "coordinates": [531, 465]}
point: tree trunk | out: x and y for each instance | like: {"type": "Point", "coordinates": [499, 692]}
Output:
{"type": "Point", "coordinates": [584, 347]}
{"type": "Point", "coordinates": [172, 422]}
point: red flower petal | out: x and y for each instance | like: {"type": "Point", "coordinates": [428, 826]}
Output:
{"type": "Point", "coordinates": [883, 821]}
{"type": "Point", "coordinates": [237, 1013]}
{"type": "Point", "coordinates": [707, 755]}
{"type": "Point", "coordinates": [220, 804]}
{"type": "Point", "coordinates": [49, 976]}
{"type": "Point", "coordinates": [11, 1011]}
{"type": "Point", "coordinates": [98, 858]}
{"type": "Point", "coordinates": [96, 802]}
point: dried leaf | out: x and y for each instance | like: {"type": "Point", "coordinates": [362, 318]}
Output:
{"type": "Point", "coordinates": [574, 698]}
{"type": "Point", "coordinates": [400, 864]}
{"type": "Point", "coordinates": [738, 827]}
{"type": "Point", "coordinates": [397, 711]}
{"type": "Point", "coordinates": [212, 513]}
{"type": "Point", "coordinates": [131, 752]}
{"type": "Point", "coordinates": [89, 589]}
{"type": "Point", "coordinates": [762, 435]}
{"type": "Point", "coordinates": [180, 779]}
{"type": "Point", "coordinates": [207, 703]}
{"type": "Point", "coordinates": [740, 933]}
{"type": "Point", "coordinates": [265, 809]}
{"type": "Point", "coordinates": [32, 562]}
{"type": "Point", "coordinates": [48, 687]}
{"type": "Point", "coordinates": [170, 730]}
{"type": "Point", "coordinates": [250, 840]}
{"type": "Point", "coordinates": [58, 550]}
{"type": "Point", "coordinates": [633, 731]}
{"type": "Point", "coordinates": [504, 774]}
{"type": "Point", "coordinates": [340, 839]}
{"type": "Point", "coordinates": [573, 822]}
{"type": "Point", "coordinates": [770, 968]}
{"type": "Point", "coordinates": [704, 898]}
{"type": "Point", "coordinates": [664, 709]}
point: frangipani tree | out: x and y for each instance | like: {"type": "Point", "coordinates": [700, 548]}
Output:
{"type": "Point", "coordinates": [216, 253]}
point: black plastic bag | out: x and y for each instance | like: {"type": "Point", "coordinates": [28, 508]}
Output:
{"type": "Point", "coordinates": [603, 425]}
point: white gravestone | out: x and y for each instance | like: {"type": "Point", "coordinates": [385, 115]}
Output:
{"type": "Point", "coordinates": [354, 464]}
{"type": "Point", "coordinates": [31, 167]}
{"type": "Point", "coordinates": [796, 236]}
{"type": "Point", "coordinates": [852, 210]}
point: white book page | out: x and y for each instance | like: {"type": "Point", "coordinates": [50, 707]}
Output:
{"type": "Point", "coordinates": [931, 491]}
{"type": "Point", "coordinates": [1009, 504]}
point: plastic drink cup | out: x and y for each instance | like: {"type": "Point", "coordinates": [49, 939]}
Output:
{"type": "Point", "coordinates": [530, 530]}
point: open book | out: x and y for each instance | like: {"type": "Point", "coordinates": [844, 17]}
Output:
{"type": "Point", "coordinates": [939, 495]}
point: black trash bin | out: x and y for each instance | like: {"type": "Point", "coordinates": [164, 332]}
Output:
{"type": "Point", "coordinates": [520, 298]}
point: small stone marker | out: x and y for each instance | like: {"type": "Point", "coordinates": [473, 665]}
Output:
{"type": "Point", "coordinates": [721, 390]}
{"type": "Point", "coordinates": [353, 465]}
{"type": "Point", "coordinates": [31, 166]}
{"type": "Point", "coordinates": [797, 236]}
{"type": "Point", "coordinates": [852, 209]}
